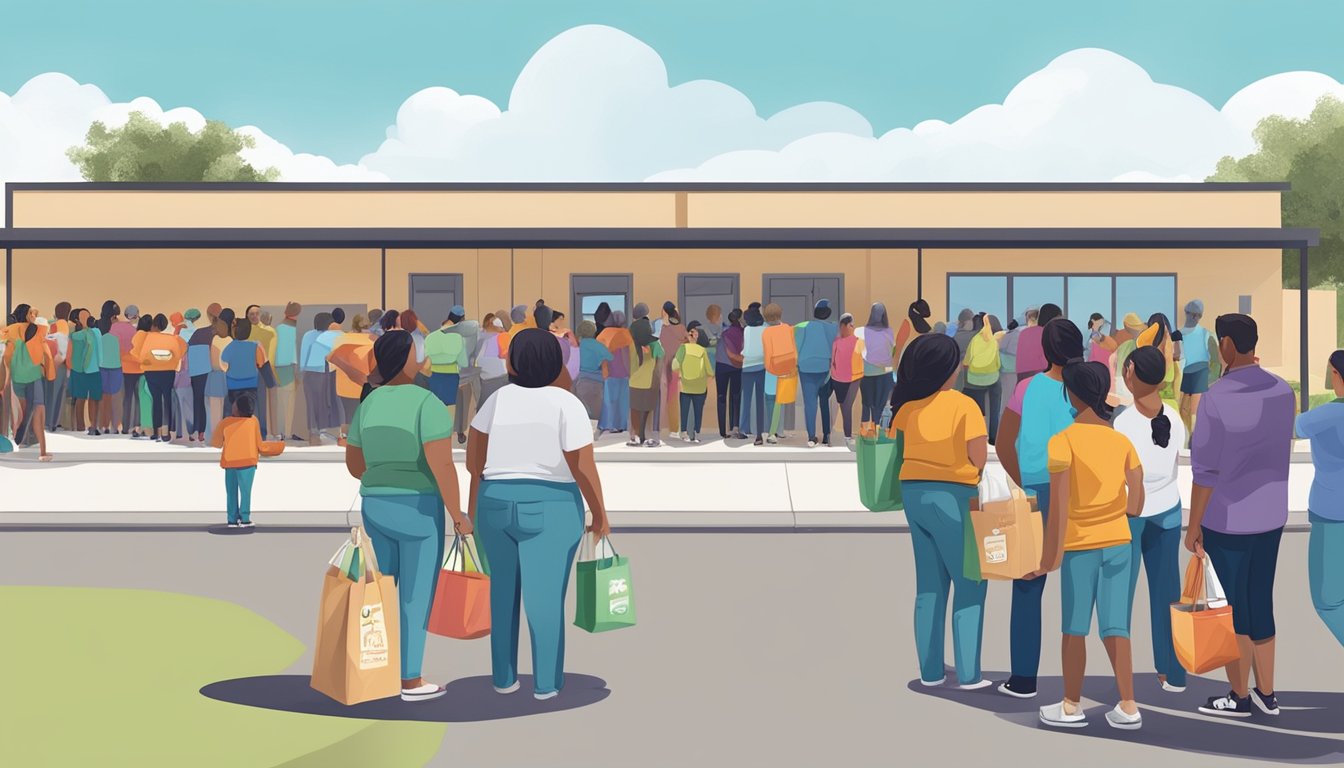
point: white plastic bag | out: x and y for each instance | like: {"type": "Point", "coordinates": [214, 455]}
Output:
{"type": "Point", "coordinates": [1213, 589]}
{"type": "Point", "coordinates": [995, 485]}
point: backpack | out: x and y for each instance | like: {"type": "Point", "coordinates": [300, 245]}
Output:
{"type": "Point", "coordinates": [695, 363]}
{"type": "Point", "coordinates": [22, 368]}
{"type": "Point", "coordinates": [983, 356]}
{"type": "Point", "coordinates": [783, 359]}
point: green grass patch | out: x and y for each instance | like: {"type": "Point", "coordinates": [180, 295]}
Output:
{"type": "Point", "coordinates": [112, 676]}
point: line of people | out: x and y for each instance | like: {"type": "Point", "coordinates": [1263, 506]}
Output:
{"type": "Point", "coordinates": [1106, 485]}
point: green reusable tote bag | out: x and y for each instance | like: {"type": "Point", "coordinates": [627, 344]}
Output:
{"type": "Point", "coordinates": [879, 458]}
{"type": "Point", "coordinates": [606, 597]}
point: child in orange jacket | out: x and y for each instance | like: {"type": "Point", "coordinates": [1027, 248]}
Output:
{"type": "Point", "coordinates": [239, 437]}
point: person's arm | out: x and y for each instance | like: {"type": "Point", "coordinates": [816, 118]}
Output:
{"type": "Point", "coordinates": [1006, 444]}
{"type": "Point", "coordinates": [1052, 551]}
{"type": "Point", "coordinates": [584, 469]}
{"type": "Point", "coordinates": [1205, 453]}
{"type": "Point", "coordinates": [261, 357]}
{"type": "Point", "coordinates": [977, 450]}
{"type": "Point", "coordinates": [1135, 499]}
{"type": "Point", "coordinates": [138, 348]}
{"type": "Point", "coordinates": [478, 446]}
{"type": "Point", "coordinates": [439, 455]}
{"type": "Point", "coordinates": [217, 358]}
{"type": "Point", "coordinates": [217, 439]}
{"type": "Point", "coordinates": [681, 355]}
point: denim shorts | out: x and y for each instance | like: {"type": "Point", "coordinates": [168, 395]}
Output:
{"type": "Point", "coordinates": [1246, 565]}
{"type": "Point", "coordinates": [112, 379]}
{"type": "Point", "coordinates": [1100, 578]}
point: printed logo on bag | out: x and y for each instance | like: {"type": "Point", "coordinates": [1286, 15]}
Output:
{"type": "Point", "coordinates": [617, 587]}
{"type": "Point", "coordinates": [372, 638]}
{"type": "Point", "coordinates": [996, 548]}
{"type": "Point", "coordinates": [619, 606]}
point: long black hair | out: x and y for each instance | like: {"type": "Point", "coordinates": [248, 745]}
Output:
{"type": "Point", "coordinates": [159, 322]}
{"type": "Point", "coordinates": [20, 315]}
{"type": "Point", "coordinates": [601, 316]}
{"type": "Point", "coordinates": [390, 352]}
{"type": "Point", "coordinates": [146, 322]}
{"type": "Point", "coordinates": [1150, 367]}
{"type": "Point", "coordinates": [535, 357]}
{"type": "Point", "coordinates": [1061, 341]}
{"type": "Point", "coordinates": [1090, 382]}
{"type": "Point", "coordinates": [1048, 312]}
{"type": "Point", "coordinates": [919, 314]}
{"type": "Point", "coordinates": [929, 361]}
{"type": "Point", "coordinates": [110, 310]}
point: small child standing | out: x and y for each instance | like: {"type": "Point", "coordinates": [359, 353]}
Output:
{"type": "Point", "coordinates": [239, 437]}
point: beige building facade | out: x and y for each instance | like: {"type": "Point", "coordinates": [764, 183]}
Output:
{"type": "Point", "coordinates": [1001, 248]}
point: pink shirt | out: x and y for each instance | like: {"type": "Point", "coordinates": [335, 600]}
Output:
{"type": "Point", "coordinates": [1030, 353]}
{"type": "Point", "coordinates": [842, 359]}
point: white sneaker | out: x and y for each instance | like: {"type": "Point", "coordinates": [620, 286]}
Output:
{"type": "Point", "coordinates": [248, 524]}
{"type": "Point", "coordinates": [1117, 718]}
{"type": "Point", "coordinates": [545, 696]}
{"type": "Point", "coordinates": [506, 691]}
{"type": "Point", "coordinates": [932, 683]}
{"type": "Point", "coordinates": [811, 443]}
{"type": "Point", "coordinates": [426, 692]}
{"type": "Point", "coordinates": [1054, 716]}
{"type": "Point", "coordinates": [977, 685]}
{"type": "Point", "coordinates": [771, 439]}
{"type": "Point", "coordinates": [1169, 688]}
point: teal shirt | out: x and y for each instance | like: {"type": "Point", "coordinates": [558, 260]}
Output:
{"type": "Point", "coordinates": [1324, 427]}
{"type": "Point", "coordinates": [110, 351]}
{"type": "Point", "coordinates": [86, 350]}
{"type": "Point", "coordinates": [1045, 412]}
{"type": "Point", "coordinates": [392, 426]}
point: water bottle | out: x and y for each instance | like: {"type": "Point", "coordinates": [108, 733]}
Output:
{"type": "Point", "coordinates": [886, 417]}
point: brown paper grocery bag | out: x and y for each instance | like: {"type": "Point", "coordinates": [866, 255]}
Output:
{"type": "Point", "coordinates": [358, 652]}
{"type": "Point", "coordinates": [1008, 536]}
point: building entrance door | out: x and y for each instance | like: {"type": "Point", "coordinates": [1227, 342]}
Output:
{"type": "Point", "coordinates": [433, 295]}
{"type": "Point", "coordinates": [587, 292]}
{"type": "Point", "coordinates": [797, 295]}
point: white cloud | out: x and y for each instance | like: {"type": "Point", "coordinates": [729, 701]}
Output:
{"type": "Point", "coordinates": [595, 104]}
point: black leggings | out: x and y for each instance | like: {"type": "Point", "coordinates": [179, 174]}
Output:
{"type": "Point", "coordinates": [130, 401]}
{"type": "Point", "coordinates": [161, 396]}
{"type": "Point", "coordinates": [876, 392]}
{"type": "Point", "coordinates": [198, 402]}
{"type": "Point", "coordinates": [845, 391]}
{"type": "Point", "coordinates": [728, 381]}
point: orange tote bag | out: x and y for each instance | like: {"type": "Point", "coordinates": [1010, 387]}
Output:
{"type": "Point", "coordinates": [462, 601]}
{"type": "Point", "coordinates": [1201, 623]}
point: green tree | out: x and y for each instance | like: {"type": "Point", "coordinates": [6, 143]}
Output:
{"type": "Point", "coordinates": [1308, 154]}
{"type": "Point", "coordinates": [144, 150]}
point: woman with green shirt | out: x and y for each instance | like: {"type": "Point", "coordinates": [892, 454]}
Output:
{"type": "Point", "coordinates": [400, 448]}
{"type": "Point", "coordinates": [86, 381]}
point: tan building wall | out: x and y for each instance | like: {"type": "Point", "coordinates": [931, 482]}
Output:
{"type": "Point", "coordinates": [1321, 335]}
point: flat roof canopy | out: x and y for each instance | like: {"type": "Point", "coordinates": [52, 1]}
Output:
{"type": "Point", "coordinates": [598, 237]}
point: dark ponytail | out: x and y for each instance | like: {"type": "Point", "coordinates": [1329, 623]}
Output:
{"type": "Point", "coordinates": [1150, 367]}
{"type": "Point", "coordinates": [919, 313]}
{"type": "Point", "coordinates": [20, 315]}
{"type": "Point", "coordinates": [1090, 382]}
{"type": "Point", "coordinates": [929, 361]}
{"type": "Point", "coordinates": [390, 353]}
{"type": "Point", "coordinates": [110, 310]}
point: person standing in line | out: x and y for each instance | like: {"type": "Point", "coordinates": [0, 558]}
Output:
{"type": "Point", "coordinates": [376, 322]}
{"type": "Point", "coordinates": [126, 332]}
{"type": "Point", "coordinates": [531, 463]}
{"type": "Point", "coordinates": [1037, 411]}
{"type": "Point", "coordinates": [671, 334]}
{"type": "Point", "coordinates": [410, 322]}
{"type": "Point", "coordinates": [109, 360]}
{"type": "Point", "coordinates": [616, 374]}
{"type": "Point", "coordinates": [242, 361]}
{"type": "Point", "coordinates": [966, 330]}
{"type": "Point", "coordinates": [400, 448]}
{"type": "Point", "coordinates": [267, 339]}
{"type": "Point", "coordinates": [1030, 352]}
{"type": "Point", "coordinates": [879, 344]}
{"type": "Point", "coordinates": [313, 354]}
{"type": "Point", "coordinates": [285, 363]}
{"type": "Point", "coordinates": [450, 352]}
{"type": "Point", "coordinates": [182, 427]}
{"type": "Point", "coordinates": [946, 446]}
{"type": "Point", "coordinates": [217, 383]}
{"type": "Point", "coordinates": [593, 358]}
{"type": "Point", "coordinates": [159, 352]}
{"type": "Point", "coordinates": [781, 367]}
{"type": "Point", "coordinates": [1097, 487]}
{"type": "Point", "coordinates": [1125, 347]}
{"type": "Point", "coordinates": [1156, 533]}
{"type": "Point", "coordinates": [352, 358]}
{"type": "Point", "coordinates": [643, 380]}
{"type": "Point", "coordinates": [815, 339]}
{"type": "Point", "coordinates": [1008, 362]}
{"type": "Point", "coordinates": [916, 323]}
{"type": "Point", "coordinates": [1324, 427]}
{"type": "Point", "coordinates": [753, 374]}
{"type": "Point", "coordinates": [569, 344]}
{"type": "Point", "coordinates": [56, 399]}
{"type": "Point", "coordinates": [728, 377]}
{"type": "Point", "coordinates": [520, 318]}
{"type": "Point", "coordinates": [1100, 343]}
{"type": "Point", "coordinates": [846, 372]}
{"type": "Point", "coordinates": [494, 375]}
{"type": "Point", "coordinates": [469, 375]}
{"type": "Point", "coordinates": [198, 370]}
{"type": "Point", "coordinates": [694, 370]}
{"type": "Point", "coordinates": [86, 381]}
{"type": "Point", "coordinates": [30, 365]}
{"type": "Point", "coordinates": [1239, 453]}
{"type": "Point", "coordinates": [1199, 352]}
{"type": "Point", "coordinates": [981, 374]}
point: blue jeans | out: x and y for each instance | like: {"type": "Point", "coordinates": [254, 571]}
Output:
{"type": "Point", "coordinates": [1024, 632]}
{"type": "Point", "coordinates": [1096, 579]}
{"type": "Point", "coordinates": [407, 533]}
{"type": "Point", "coordinates": [615, 405]}
{"type": "Point", "coordinates": [937, 513]}
{"type": "Point", "coordinates": [531, 530]}
{"type": "Point", "coordinates": [1325, 572]}
{"type": "Point", "coordinates": [692, 412]}
{"type": "Point", "coordinates": [753, 391]}
{"type": "Point", "coordinates": [238, 486]}
{"type": "Point", "coordinates": [816, 394]}
{"type": "Point", "coordinates": [1157, 540]}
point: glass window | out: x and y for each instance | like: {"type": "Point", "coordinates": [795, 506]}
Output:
{"type": "Point", "coordinates": [1144, 295]}
{"type": "Point", "coordinates": [978, 293]}
{"type": "Point", "coordinates": [1089, 294]}
{"type": "Point", "coordinates": [1034, 290]}
{"type": "Point", "coordinates": [590, 304]}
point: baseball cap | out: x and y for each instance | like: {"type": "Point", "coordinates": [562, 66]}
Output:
{"type": "Point", "coordinates": [132, 311]}
{"type": "Point", "coordinates": [192, 315]}
{"type": "Point", "coordinates": [458, 310]}
{"type": "Point", "coordinates": [1195, 307]}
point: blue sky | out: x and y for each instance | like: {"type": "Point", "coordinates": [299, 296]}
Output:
{"type": "Point", "coordinates": [328, 77]}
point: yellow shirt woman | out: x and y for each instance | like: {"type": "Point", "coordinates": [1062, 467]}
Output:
{"type": "Point", "coordinates": [937, 430]}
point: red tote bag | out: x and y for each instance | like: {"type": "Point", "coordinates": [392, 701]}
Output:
{"type": "Point", "coordinates": [462, 601]}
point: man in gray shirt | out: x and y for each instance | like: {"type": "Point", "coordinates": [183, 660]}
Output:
{"type": "Point", "coordinates": [470, 382]}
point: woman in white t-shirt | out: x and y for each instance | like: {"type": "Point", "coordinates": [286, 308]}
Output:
{"type": "Point", "coordinates": [530, 455]}
{"type": "Point", "coordinates": [1157, 433]}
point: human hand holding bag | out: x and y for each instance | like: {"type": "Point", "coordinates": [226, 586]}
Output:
{"type": "Point", "coordinates": [1201, 623]}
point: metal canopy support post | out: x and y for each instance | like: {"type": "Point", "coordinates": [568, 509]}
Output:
{"type": "Point", "coordinates": [919, 273]}
{"type": "Point", "coordinates": [1304, 364]}
{"type": "Point", "coordinates": [383, 272]}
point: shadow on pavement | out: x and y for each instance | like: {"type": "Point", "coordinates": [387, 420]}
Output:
{"type": "Point", "coordinates": [1172, 721]}
{"type": "Point", "coordinates": [470, 699]}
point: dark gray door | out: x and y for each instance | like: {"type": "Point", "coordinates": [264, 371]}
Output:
{"type": "Point", "coordinates": [695, 293]}
{"type": "Point", "coordinates": [798, 294]}
{"type": "Point", "coordinates": [433, 295]}
{"type": "Point", "coordinates": [587, 292]}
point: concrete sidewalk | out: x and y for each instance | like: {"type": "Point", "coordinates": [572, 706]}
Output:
{"type": "Point", "coordinates": [118, 481]}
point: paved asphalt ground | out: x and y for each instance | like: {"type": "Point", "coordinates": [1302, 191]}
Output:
{"type": "Point", "coordinates": [769, 649]}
